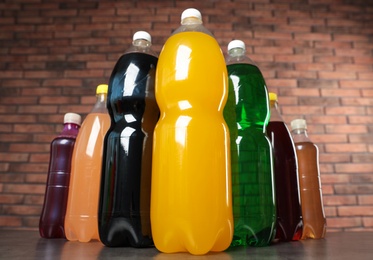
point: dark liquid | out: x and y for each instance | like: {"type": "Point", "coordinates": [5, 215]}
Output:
{"type": "Point", "coordinates": [52, 218]}
{"type": "Point", "coordinates": [124, 207]}
{"type": "Point", "coordinates": [289, 214]}
{"type": "Point", "coordinates": [310, 191]}
{"type": "Point", "coordinates": [254, 210]}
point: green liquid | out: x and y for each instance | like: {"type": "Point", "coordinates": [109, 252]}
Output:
{"type": "Point", "coordinates": [247, 115]}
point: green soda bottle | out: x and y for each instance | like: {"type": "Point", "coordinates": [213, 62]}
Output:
{"type": "Point", "coordinates": [247, 114]}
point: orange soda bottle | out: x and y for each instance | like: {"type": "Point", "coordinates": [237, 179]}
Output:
{"type": "Point", "coordinates": [314, 221]}
{"type": "Point", "coordinates": [81, 214]}
{"type": "Point", "coordinates": [191, 204]}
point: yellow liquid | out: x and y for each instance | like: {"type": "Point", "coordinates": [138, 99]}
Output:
{"type": "Point", "coordinates": [82, 205]}
{"type": "Point", "coordinates": [191, 208]}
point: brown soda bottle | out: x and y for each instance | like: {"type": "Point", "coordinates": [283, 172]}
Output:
{"type": "Point", "coordinates": [314, 221]}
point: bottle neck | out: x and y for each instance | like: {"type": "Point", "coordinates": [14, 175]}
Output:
{"type": "Point", "coordinates": [141, 43]}
{"type": "Point", "coordinates": [191, 21]}
{"type": "Point", "coordinates": [275, 114]}
{"type": "Point", "coordinates": [300, 135]}
{"type": "Point", "coordinates": [238, 55]}
{"type": "Point", "coordinates": [100, 105]}
{"type": "Point", "coordinates": [192, 24]}
{"type": "Point", "coordinates": [142, 46]}
{"type": "Point", "coordinates": [70, 129]}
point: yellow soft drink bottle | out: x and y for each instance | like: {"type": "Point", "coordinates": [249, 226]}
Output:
{"type": "Point", "coordinates": [191, 208]}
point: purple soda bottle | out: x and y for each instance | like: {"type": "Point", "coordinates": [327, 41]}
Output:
{"type": "Point", "coordinates": [289, 212]}
{"type": "Point", "coordinates": [51, 224]}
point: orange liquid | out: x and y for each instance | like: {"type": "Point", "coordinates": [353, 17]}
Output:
{"type": "Point", "coordinates": [82, 206]}
{"type": "Point", "coordinates": [314, 221]}
{"type": "Point", "coordinates": [191, 208]}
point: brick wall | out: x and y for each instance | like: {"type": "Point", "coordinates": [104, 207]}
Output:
{"type": "Point", "coordinates": [316, 54]}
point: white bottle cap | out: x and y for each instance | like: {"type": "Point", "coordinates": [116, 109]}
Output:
{"type": "Point", "coordinates": [142, 35]}
{"type": "Point", "coordinates": [191, 12]}
{"type": "Point", "coordinates": [298, 124]}
{"type": "Point", "coordinates": [236, 44]}
{"type": "Point", "coordinates": [72, 118]}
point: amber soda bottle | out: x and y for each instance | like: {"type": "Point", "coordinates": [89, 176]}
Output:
{"type": "Point", "coordinates": [314, 221]}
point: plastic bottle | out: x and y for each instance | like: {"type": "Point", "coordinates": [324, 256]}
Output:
{"type": "Point", "coordinates": [51, 223]}
{"type": "Point", "coordinates": [247, 115]}
{"type": "Point", "coordinates": [191, 208]}
{"type": "Point", "coordinates": [314, 220]}
{"type": "Point", "coordinates": [289, 212]}
{"type": "Point", "coordinates": [82, 205]}
{"type": "Point", "coordinates": [124, 205]}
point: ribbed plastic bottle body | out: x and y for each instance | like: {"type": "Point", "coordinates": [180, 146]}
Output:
{"type": "Point", "coordinates": [81, 215]}
{"type": "Point", "coordinates": [191, 207]}
{"type": "Point", "coordinates": [314, 220]}
{"type": "Point", "coordinates": [124, 204]}
{"type": "Point", "coordinates": [247, 114]}
{"type": "Point", "coordinates": [289, 213]}
{"type": "Point", "coordinates": [51, 223]}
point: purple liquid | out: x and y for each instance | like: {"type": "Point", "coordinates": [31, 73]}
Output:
{"type": "Point", "coordinates": [289, 212]}
{"type": "Point", "coordinates": [52, 218]}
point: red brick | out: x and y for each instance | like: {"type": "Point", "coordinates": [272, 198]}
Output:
{"type": "Point", "coordinates": [297, 74]}
{"type": "Point", "coordinates": [312, 36]}
{"type": "Point", "coordinates": [10, 221]}
{"type": "Point", "coordinates": [27, 147]}
{"type": "Point", "coordinates": [302, 92]}
{"type": "Point", "coordinates": [327, 189]}
{"type": "Point", "coordinates": [334, 178]}
{"type": "Point", "coordinates": [314, 66]}
{"type": "Point", "coordinates": [19, 100]}
{"type": "Point", "coordinates": [353, 189]}
{"type": "Point", "coordinates": [365, 199]}
{"type": "Point", "coordinates": [273, 50]}
{"type": "Point", "coordinates": [38, 178]}
{"type": "Point", "coordinates": [33, 128]}
{"type": "Point", "coordinates": [348, 129]}
{"type": "Point", "coordinates": [302, 110]}
{"type": "Point", "coordinates": [337, 75]}
{"type": "Point", "coordinates": [39, 158]}
{"type": "Point", "coordinates": [368, 222]}
{"type": "Point", "coordinates": [344, 148]}
{"type": "Point", "coordinates": [331, 158]}
{"type": "Point", "coordinates": [345, 110]}
{"type": "Point", "coordinates": [340, 92]}
{"type": "Point", "coordinates": [355, 211]}
{"type": "Point", "coordinates": [34, 199]}
{"type": "Point", "coordinates": [344, 222]}
{"type": "Point", "coordinates": [357, 101]}
{"type": "Point", "coordinates": [21, 210]}
{"type": "Point", "coordinates": [18, 137]}
{"type": "Point", "coordinates": [29, 167]}
{"type": "Point", "coordinates": [330, 211]}
{"type": "Point", "coordinates": [356, 167]}
{"type": "Point", "coordinates": [352, 52]}
{"type": "Point", "coordinates": [337, 200]}
{"type": "Point", "coordinates": [360, 138]}
{"type": "Point", "coordinates": [325, 119]}
{"type": "Point", "coordinates": [11, 199]}
{"type": "Point", "coordinates": [24, 188]}
{"type": "Point", "coordinates": [14, 157]}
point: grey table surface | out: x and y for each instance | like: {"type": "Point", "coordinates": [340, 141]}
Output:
{"type": "Point", "coordinates": [18, 244]}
